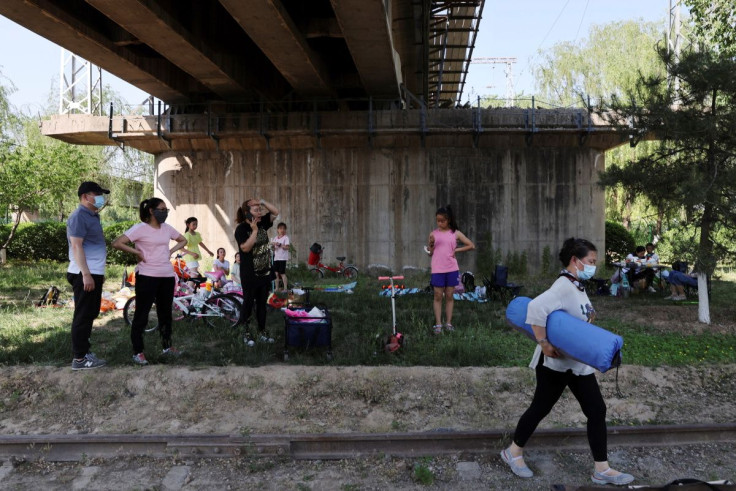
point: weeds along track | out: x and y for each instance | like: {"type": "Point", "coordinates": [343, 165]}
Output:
{"type": "Point", "coordinates": [65, 448]}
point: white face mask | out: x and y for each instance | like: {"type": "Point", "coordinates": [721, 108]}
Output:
{"type": "Point", "coordinates": [587, 272]}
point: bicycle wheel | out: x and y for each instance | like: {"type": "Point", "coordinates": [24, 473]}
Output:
{"type": "Point", "coordinates": [129, 312]}
{"type": "Point", "coordinates": [317, 274]}
{"type": "Point", "coordinates": [221, 310]}
{"type": "Point", "coordinates": [351, 272]}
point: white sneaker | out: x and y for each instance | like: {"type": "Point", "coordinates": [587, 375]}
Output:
{"type": "Point", "coordinates": [651, 289]}
{"type": "Point", "coordinates": [679, 297]}
{"type": "Point", "coordinates": [249, 342]}
{"type": "Point", "coordinates": [265, 339]}
{"type": "Point", "coordinates": [670, 297]}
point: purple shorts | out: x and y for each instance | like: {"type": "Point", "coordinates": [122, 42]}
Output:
{"type": "Point", "coordinates": [445, 280]}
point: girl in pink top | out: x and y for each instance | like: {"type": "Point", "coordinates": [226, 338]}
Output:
{"type": "Point", "coordinates": [154, 277]}
{"type": "Point", "coordinates": [442, 245]}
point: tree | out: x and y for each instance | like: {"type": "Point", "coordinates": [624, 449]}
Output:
{"type": "Point", "coordinates": [37, 173]}
{"type": "Point", "coordinates": [609, 61]}
{"type": "Point", "coordinates": [694, 167]}
{"type": "Point", "coordinates": [715, 24]}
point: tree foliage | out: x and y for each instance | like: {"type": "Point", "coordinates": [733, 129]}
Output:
{"type": "Point", "coordinates": [715, 24]}
{"type": "Point", "coordinates": [693, 170]}
{"type": "Point", "coordinates": [608, 62]}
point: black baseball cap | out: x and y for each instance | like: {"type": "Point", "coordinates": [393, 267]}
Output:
{"type": "Point", "coordinates": [91, 187]}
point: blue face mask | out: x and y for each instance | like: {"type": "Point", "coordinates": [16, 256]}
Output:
{"type": "Point", "coordinates": [99, 201]}
{"type": "Point", "coordinates": [587, 272]}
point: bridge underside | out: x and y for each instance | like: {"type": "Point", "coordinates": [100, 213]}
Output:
{"type": "Point", "coordinates": [267, 50]}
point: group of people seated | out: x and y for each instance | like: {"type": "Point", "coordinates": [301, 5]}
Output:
{"type": "Point", "coordinates": [639, 268]}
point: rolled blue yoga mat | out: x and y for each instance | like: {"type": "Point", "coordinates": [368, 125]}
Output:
{"type": "Point", "coordinates": [576, 339]}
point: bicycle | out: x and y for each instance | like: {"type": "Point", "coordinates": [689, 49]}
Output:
{"type": "Point", "coordinates": [215, 310]}
{"type": "Point", "coordinates": [349, 271]}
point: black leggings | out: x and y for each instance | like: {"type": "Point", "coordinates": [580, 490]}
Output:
{"type": "Point", "coordinates": [550, 385]}
{"type": "Point", "coordinates": [259, 296]}
{"type": "Point", "coordinates": [147, 290]}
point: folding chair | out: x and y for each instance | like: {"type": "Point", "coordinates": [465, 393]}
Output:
{"type": "Point", "coordinates": [499, 287]}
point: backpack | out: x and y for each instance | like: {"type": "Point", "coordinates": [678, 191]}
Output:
{"type": "Point", "coordinates": [316, 248]}
{"type": "Point", "coordinates": [50, 298]}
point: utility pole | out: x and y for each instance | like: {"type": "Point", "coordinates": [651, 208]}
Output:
{"type": "Point", "coordinates": [80, 85]}
{"type": "Point", "coordinates": [674, 38]}
{"type": "Point", "coordinates": [508, 70]}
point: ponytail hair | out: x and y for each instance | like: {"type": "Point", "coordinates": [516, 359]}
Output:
{"type": "Point", "coordinates": [573, 247]}
{"type": "Point", "coordinates": [146, 206]}
{"type": "Point", "coordinates": [187, 222]}
{"type": "Point", "coordinates": [447, 212]}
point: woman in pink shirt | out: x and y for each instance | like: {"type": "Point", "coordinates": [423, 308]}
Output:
{"type": "Point", "coordinates": [154, 274]}
{"type": "Point", "coordinates": [442, 245]}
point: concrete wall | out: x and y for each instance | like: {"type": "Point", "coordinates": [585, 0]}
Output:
{"type": "Point", "coordinates": [377, 205]}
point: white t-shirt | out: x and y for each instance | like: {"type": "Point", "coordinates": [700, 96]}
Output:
{"type": "Point", "coordinates": [222, 264]}
{"type": "Point", "coordinates": [562, 295]}
{"type": "Point", "coordinates": [281, 253]}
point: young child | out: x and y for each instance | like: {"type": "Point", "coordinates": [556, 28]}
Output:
{"type": "Point", "coordinates": [442, 246]}
{"type": "Point", "coordinates": [221, 268]}
{"type": "Point", "coordinates": [235, 270]}
{"type": "Point", "coordinates": [194, 240]}
{"type": "Point", "coordinates": [281, 255]}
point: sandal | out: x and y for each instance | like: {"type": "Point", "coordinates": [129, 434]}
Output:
{"type": "Point", "coordinates": [437, 328]}
{"type": "Point", "coordinates": [449, 327]}
{"type": "Point", "coordinates": [519, 470]}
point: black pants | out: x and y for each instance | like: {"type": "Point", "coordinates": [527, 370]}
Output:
{"type": "Point", "coordinates": [259, 296]}
{"type": "Point", "coordinates": [86, 310]}
{"type": "Point", "coordinates": [150, 289]}
{"type": "Point", "coordinates": [550, 385]}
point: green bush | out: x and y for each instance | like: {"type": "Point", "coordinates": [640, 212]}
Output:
{"type": "Point", "coordinates": [38, 241]}
{"type": "Point", "coordinates": [619, 242]}
{"type": "Point", "coordinates": [112, 232]}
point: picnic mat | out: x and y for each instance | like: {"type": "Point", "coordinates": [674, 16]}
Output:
{"type": "Point", "coordinates": [344, 288]}
{"type": "Point", "coordinates": [470, 297]}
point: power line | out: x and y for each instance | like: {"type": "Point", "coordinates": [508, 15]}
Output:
{"type": "Point", "coordinates": [553, 24]}
{"type": "Point", "coordinates": [581, 21]}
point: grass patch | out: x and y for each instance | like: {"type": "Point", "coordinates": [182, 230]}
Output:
{"type": "Point", "coordinates": [42, 335]}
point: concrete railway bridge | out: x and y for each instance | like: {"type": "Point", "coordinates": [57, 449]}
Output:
{"type": "Point", "coordinates": [344, 113]}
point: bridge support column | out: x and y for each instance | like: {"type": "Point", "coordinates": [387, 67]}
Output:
{"type": "Point", "coordinates": [377, 205]}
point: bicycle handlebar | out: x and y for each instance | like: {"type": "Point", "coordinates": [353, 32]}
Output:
{"type": "Point", "coordinates": [381, 278]}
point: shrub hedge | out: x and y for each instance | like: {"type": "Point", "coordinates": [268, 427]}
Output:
{"type": "Point", "coordinates": [47, 241]}
{"type": "Point", "coordinates": [619, 242]}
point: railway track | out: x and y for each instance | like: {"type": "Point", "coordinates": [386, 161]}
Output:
{"type": "Point", "coordinates": [62, 448]}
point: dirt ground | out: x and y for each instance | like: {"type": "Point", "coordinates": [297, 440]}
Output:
{"type": "Point", "coordinates": [296, 399]}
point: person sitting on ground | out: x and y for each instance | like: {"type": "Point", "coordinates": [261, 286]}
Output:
{"type": "Point", "coordinates": [235, 270]}
{"type": "Point", "coordinates": [220, 269]}
{"type": "Point", "coordinates": [677, 281]}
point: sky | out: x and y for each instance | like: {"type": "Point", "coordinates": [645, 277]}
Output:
{"type": "Point", "coordinates": [510, 28]}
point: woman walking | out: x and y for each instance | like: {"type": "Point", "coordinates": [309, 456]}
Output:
{"type": "Point", "coordinates": [154, 277]}
{"type": "Point", "coordinates": [555, 372]}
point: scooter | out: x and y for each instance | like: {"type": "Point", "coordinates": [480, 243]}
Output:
{"type": "Point", "coordinates": [394, 341]}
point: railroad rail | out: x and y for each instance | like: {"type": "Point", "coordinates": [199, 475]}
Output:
{"type": "Point", "coordinates": [329, 446]}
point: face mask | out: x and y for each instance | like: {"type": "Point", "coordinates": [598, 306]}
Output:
{"type": "Point", "coordinates": [587, 273]}
{"type": "Point", "coordinates": [99, 202]}
{"type": "Point", "coordinates": [160, 215]}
